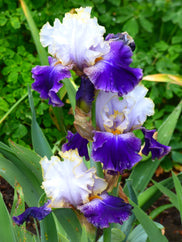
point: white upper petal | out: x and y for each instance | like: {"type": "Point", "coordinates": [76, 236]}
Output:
{"type": "Point", "coordinates": [126, 114]}
{"type": "Point", "coordinates": [106, 105]}
{"type": "Point", "coordinates": [78, 39]}
{"type": "Point", "coordinates": [138, 107]}
{"type": "Point", "coordinates": [68, 181]}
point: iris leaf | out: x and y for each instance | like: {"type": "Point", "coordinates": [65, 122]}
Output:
{"type": "Point", "coordinates": [153, 232]}
{"type": "Point", "coordinates": [40, 143]}
{"type": "Point", "coordinates": [12, 168]}
{"type": "Point", "coordinates": [149, 196]}
{"type": "Point", "coordinates": [71, 89]}
{"type": "Point", "coordinates": [6, 226]}
{"type": "Point", "coordinates": [69, 221]}
{"type": "Point", "coordinates": [35, 34]}
{"type": "Point", "coordinates": [178, 189]}
{"type": "Point", "coordinates": [143, 171]}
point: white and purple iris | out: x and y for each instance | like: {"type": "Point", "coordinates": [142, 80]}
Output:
{"type": "Point", "coordinates": [78, 44]}
{"type": "Point", "coordinates": [70, 184]}
{"type": "Point", "coordinates": [121, 107]}
{"type": "Point", "coordinates": [115, 145]}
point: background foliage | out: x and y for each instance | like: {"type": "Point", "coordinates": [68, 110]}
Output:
{"type": "Point", "coordinates": [154, 25]}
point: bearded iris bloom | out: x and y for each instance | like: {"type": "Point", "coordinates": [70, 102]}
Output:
{"type": "Point", "coordinates": [105, 62]}
{"type": "Point", "coordinates": [115, 145]}
{"type": "Point", "coordinates": [70, 184]}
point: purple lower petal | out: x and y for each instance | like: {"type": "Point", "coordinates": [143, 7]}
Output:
{"type": "Point", "coordinates": [158, 150]}
{"type": "Point", "coordinates": [47, 80]}
{"type": "Point", "coordinates": [38, 213]}
{"type": "Point", "coordinates": [113, 73]}
{"type": "Point", "coordinates": [116, 152]}
{"type": "Point", "coordinates": [108, 209]}
{"type": "Point", "coordinates": [75, 141]}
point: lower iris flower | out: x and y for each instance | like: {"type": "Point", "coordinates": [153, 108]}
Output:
{"type": "Point", "coordinates": [114, 144]}
{"type": "Point", "coordinates": [70, 184]}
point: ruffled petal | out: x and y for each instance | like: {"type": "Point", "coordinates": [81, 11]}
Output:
{"type": "Point", "coordinates": [38, 213]}
{"type": "Point", "coordinates": [75, 141]}
{"type": "Point", "coordinates": [47, 80]}
{"type": "Point", "coordinates": [108, 209]}
{"type": "Point", "coordinates": [110, 112]}
{"type": "Point", "coordinates": [138, 107]}
{"type": "Point", "coordinates": [151, 145]}
{"type": "Point", "coordinates": [123, 115]}
{"type": "Point", "coordinates": [116, 152]}
{"type": "Point", "coordinates": [113, 73]}
{"type": "Point", "coordinates": [77, 40]}
{"type": "Point", "coordinates": [67, 182]}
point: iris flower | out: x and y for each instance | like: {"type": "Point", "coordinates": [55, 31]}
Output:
{"type": "Point", "coordinates": [70, 184]}
{"type": "Point", "coordinates": [78, 44]}
{"type": "Point", "coordinates": [115, 145]}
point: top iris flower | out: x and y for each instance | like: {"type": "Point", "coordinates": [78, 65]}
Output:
{"type": "Point", "coordinates": [78, 44]}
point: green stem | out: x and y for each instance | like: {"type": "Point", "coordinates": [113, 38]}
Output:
{"type": "Point", "coordinates": [99, 169]}
{"type": "Point", "coordinates": [58, 111]}
{"type": "Point", "coordinates": [107, 235]}
{"type": "Point", "coordinates": [116, 189]}
{"type": "Point", "coordinates": [13, 107]}
{"type": "Point", "coordinates": [172, 33]}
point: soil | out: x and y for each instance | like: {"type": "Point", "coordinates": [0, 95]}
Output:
{"type": "Point", "coordinates": [170, 218]}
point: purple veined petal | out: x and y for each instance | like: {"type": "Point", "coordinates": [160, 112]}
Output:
{"type": "Point", "coordinates": [151, 145]}
{"type": "Point", "coordinates": [108, 209]}
{"type": "Point", "coordinates": [85, 92]}
{"type": "Point", "coordinates": [38, 213]}
{"type": "Point", "coordinates": [47, 80]}
{"type": "Point", "coordinates": [113, 73]}
{"type": "Point", "coordinates": [75, 141]}
{"type": "Point", "coordinates": [116, 152]}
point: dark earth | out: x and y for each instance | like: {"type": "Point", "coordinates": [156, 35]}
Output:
{"type": "Point", "coordinates": [170, 218]}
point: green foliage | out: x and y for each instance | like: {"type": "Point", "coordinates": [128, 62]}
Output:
{"type": "Point", "coordinates": [6, 228]}
{"type": "Point", "coordinates": [175, 199]}
{"type": "Point", "coordinates": [146, 169]}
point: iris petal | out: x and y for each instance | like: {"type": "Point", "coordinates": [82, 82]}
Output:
{"type": "Point", "coordinates": [77, 40]}
{"type": "Point", "coordinates": [124, 115]}
{"type": "Point", "coordinates": [113, 73]}
{"type": "Point", "coordinates": [47, 80]}
{"type": "Point", "coordinates": [85, 93]}
{"type": "Point", "coordinates": [69, 182]}
{"type": "Point", "coordinates": [151, 145]}
{"type": "Point", "coordinates": [116, 152]}
{"type": "Point", "coordinates": [38, 213]}
{"type": "Point", "coordinates": [108, 209]}
{"type": "Point", "coordinates": [75, 141]}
